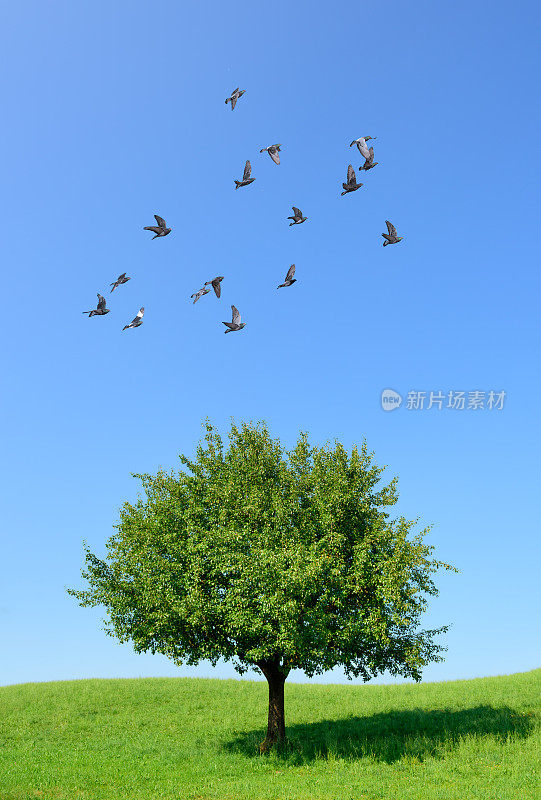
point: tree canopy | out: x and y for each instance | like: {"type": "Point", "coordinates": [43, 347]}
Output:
{"type": "Point", "coordinates": [278, 559]}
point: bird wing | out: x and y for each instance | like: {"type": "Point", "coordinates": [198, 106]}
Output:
{"type": "Point", "coordinates": [138, 316]}
{"type": "Point", "coordinates": [160, 220]}
{"type": "Point", "coordinates": [229, 325]}
{"type": "Point", "coordinates": [370, 158]}
{"type": "Point", "coordinates": [273, 153]}
{"type": "Point", "coordinates": [353, 142]}
{"type": "Point", "coordinates": [290, 272]}
{"type": "Point", "coordinates": [216, 286]}
{"type": "Point", "coordinates": [153, 228]}
{"type": "Point", "coordinates": [233, 99]}
{"type": "Point", "coordinates": [390, 227]}
{"type": "Point", "coordinates": [101, 302]}
{"type": "Point", "coordinates": [247, 171]}
{"type": "Point", "coordinates": [351, 175]}
{"type": "Point", "coordinates": [121, 276]}
{"type": "Point", "coordinates": [297, 212]}
{"type": "Point", "coordinates": [236, 315]}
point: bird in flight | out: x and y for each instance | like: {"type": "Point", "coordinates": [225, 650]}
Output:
{"type": "Point", "coordinates": [289, 277]}
{"type": "Point", "coordinates": [391, 237]}
{"type": "Point", "coordinates": [200, 293]}
{"type": "Point", "coordinates": [136, 321]}
{"type": "Point", "coordinates": [273, 151]}
{"type": "Point", "coordinates": [121, 279]}
{"type": "Point", "coordinates": [235, 324]}
{"type": "Point", "coordinates": [100, 310]}
{"type": "Point", "coordinates": [161, 229]}
{"type": "Point", "coordinates": [297, 218]}
{"type": "Point", "coordinates": [246, 177]}
{"type": "Point", "coordinates": [234, 97]}
{"type": "Point", "coordinates": [361, 144]}
{"type": "Point", "coordinates": [351, 185]}
{"type": "Point", "coordinates": [215, 283]}
{"type": "Point", "coordinates": [369, 162]}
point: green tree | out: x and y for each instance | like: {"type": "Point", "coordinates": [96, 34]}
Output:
{"type": "Point", "coordinates": [282, 560]}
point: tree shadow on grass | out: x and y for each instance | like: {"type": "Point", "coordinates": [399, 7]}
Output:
{"type": "Point", "coordinates": [390, 736]}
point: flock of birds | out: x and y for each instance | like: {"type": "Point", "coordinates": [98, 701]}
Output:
{"type": "Point", "coordinates": [161, 229]}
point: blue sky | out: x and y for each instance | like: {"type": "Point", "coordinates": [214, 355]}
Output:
{"type": "Point", "coordinates": [115, 111]}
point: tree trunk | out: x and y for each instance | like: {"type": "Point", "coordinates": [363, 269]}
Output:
{"type": "Point", "coordinates": [276, 727]}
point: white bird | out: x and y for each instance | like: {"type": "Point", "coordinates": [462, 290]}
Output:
{"type": "Point", "coordinates": [361, 144]}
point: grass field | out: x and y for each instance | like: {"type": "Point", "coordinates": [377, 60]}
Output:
{"type": "Point", "coordinates": [195, 739]}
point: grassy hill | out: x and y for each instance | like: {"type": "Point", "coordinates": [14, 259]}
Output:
{"type": "Point", "coordinates": [195, 739]}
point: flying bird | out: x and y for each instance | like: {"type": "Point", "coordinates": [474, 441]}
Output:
{"type": "Point", "coordinates": [297, 218]}
{"type": "Point", "coordinates": [351, 185]}
{"type": "Point", "coordinates": [215, 283]}
{"type": "Point", "coordinates": [369, 162]}
{"type": "Point", "coordinates": [273, 151]}
{"type": "Point", "coordinates": [235, 324]}
{"type": "Point", "coordinates": [121, 279]}
{"type": "Point", "coordinates": [200, 293]}
{"type": "Point", "coordinates": [391, 237]}
{"type": "Point", "coordinates": [246, 177]}
{"type": "Point", "coordinates": [289, 277]}
{"type": "Point", "coordinates": [234, 97]}
{"type": "Point", "coordinates": [100, 310]}
{"type": "Point", "coordinates": [136, 321]}
{"type": "Point", "coordinates": [161, 229]}
{"type": "Point", "coordinates": [361, 144]}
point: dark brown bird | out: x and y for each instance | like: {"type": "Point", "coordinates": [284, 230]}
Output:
{"type": "Point", "coordinates": [391, 237]}
{"type": "Point", "coordinates": [289, 277]}
{"type": "Point", "coordinates": [297, 218]}
{"type": "Point", "coordinates": [200, 293]}
{"type": "Point", "coordinates": [246, 177]}
{"type": "Point", "coordinates": [215, 283]}
{"type": "Point", "coordinates": [136, 321]}
{"type": "Point", "coordinates": [369, 162]}
{"type": "Point", "coordinates": [273, 151]}
{"type": "Point", "coordinates": [351, 185]}
{"type": "Point", "coordinates": [121, 279]}
{"type": "Point", "coordinates": [234, 97]}
{"type": "Point", "coordinates": [161, 229]}
{"type": "Point", "coordinates": [235, 324]}
{"type": "Point", "coordinates": [100, 310]}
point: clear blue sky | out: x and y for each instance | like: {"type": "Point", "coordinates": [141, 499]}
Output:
{"type": "Point", "coordinates": [112, 112]}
